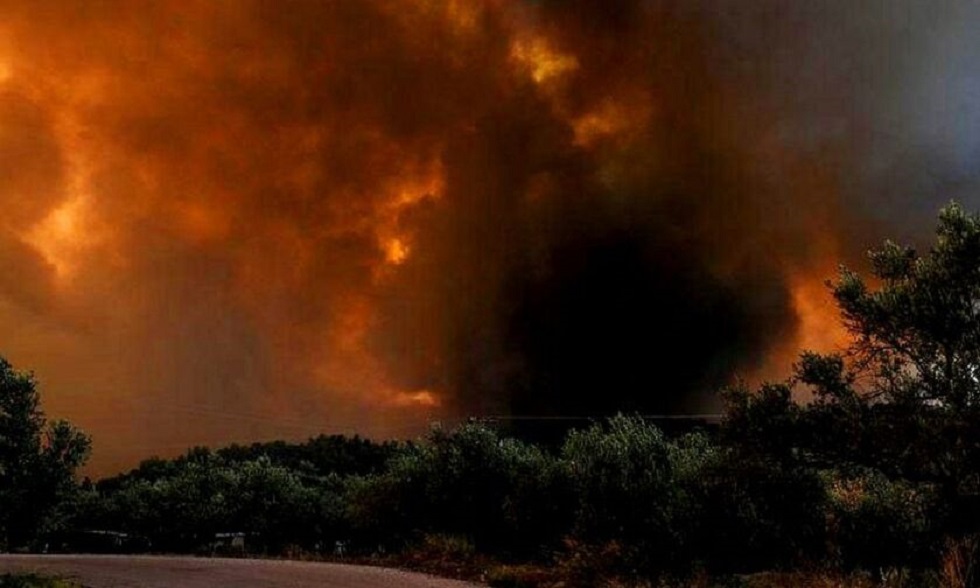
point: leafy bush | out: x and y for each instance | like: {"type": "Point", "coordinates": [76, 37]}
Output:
{"type": "Point", "coordinates": [624, 476]}
{"type": "Point", "coordinates": [504, 495]}
{"type": "Point", "coordinates": [756, 515]}
{"type": "Point", "coordinates": [877, 522]}
{"type": "Point", "coordinates": [182, 511]}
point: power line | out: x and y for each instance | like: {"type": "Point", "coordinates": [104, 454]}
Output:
{"type": "Point", "coordinates": [518, 417]}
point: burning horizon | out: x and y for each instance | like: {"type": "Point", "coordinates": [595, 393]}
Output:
{"type": "Point", "coordinates": [232, 221]}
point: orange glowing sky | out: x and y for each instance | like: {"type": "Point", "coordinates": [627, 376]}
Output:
{"type": "Point", "coordinates": [232, 221]}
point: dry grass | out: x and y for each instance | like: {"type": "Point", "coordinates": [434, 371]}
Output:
{"type": "Point", "coordinates": [522, 576]}
{"type": "Point", "coordinates": [34, 581]}
{"type": "Point", "coordinates": [959, 563]}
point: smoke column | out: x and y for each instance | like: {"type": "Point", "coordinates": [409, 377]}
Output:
{"type": "Point", "coordinates": [229, 221]}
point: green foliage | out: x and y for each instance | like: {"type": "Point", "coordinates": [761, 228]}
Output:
{"type": "Point", "coordinates": [877, 522]}
{"type": "Point", "coordinates": [622, 475]}
{"type": "Point", "coordinates": [272, 505]}
{"type": "Point", "coordinates": [649, 505]}
{"type": "Point", "coordinates": [38, 460]}
{"type": "Point", "coordinates": [279, 494]}
{"type": "Point", "coordinates": [504, 495]}
{"type": "Point", "coordinates": [892, 418]}
{"type": "Point", "coordinates": [753, 514]}
{"type": "Point", "coordinates": [912, 375]}
{"type": "Point", "coordinates": [918, 334]}
{"type": "Point", "coordinates": [322, 455]}
{"type": "Point", "coordinates": [762, 425]}
{"type": "Point", "coordinates": [762, 494]}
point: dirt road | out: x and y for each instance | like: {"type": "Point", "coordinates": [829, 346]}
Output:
{"type": "Point", "coordinates": [110, 571]}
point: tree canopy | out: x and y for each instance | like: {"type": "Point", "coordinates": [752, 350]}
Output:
{"type": "Point", "coordinates": [917, 335]}
{"type": "Point", "coordinates": [904, 396]}
{"type": "Point", "coordinates": [38, 459]}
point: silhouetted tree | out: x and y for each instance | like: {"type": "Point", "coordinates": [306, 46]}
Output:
{"type": "Point", "coordinates": [911, 375]}
{"type": "Point", "coordinates": [904, 398]}
{"type": "Point", "coordinates": [917, 335]}
{"type": "Point", "coordinates": [37, 459]}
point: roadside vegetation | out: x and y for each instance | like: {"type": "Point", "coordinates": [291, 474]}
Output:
{"type": "Point", "coordinates": [34, 581]}
{"type": "Point", "coordinates": [862, 469]}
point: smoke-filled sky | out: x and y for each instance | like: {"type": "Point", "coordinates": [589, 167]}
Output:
{"type": "Point", "coordinates": [240, 220]}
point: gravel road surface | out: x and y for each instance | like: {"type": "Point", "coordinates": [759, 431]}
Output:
{"type": "Point", "coordinates": [112, 571]}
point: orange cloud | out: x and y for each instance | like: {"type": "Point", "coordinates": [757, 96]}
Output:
{"type": "Point", "coordinates": [291, 211]}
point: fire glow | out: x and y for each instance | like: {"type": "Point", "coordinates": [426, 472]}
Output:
{"type": "Point", "coordinates": [370, 214]}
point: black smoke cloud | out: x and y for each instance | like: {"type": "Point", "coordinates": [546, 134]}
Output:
{"type": "Point", "coordinates": [254, 220]}
{"type": "Point", "coordinates": [637, 270]}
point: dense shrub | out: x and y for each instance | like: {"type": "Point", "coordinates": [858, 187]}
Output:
{"type": "Point", "coordinates": [755, 515]}
{"type": "Point", "coordinates": [272, 505]}
{"type": "Point", "coordinates": [876, 522]}
{"type": "Point", "coordinates": [619, 500]}
{"type": "Point", "coordinates": [504, 495]}
{"type": "Point", "coordinates": [623, 479]}
{"type": "Point", "coordinates": [652, 506]}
